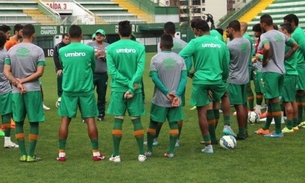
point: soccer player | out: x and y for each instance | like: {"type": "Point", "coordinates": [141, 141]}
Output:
{"type": "Point", "coordinates": [178, 44]}
{"type": "Point", "coordinates": [15, 39]}
{"type": "Point", "coordinates": [290, 82]}
{"type": "Point", "coordinates": [24, 65]}
{"type": "Point", "coordinates": [78, 62]}
{"type": "Point", "coordinates": [6, 29]}
{"type": "Point", "coordinates": [65, 40]}
{"type": "Point", "coordinates": [5, 98]}
{"type": "Point", "coordinates": [240, 52]}
{"type": "Point", "coordinates": [299, 37]}
{"type": "Point", "coordinates": [210, 60]}
{"type": "Point", "coordinates": [168, 72]}
{"type": "Point", "coordinates": [100, 76]}
{"type": "Point", "coordinates": [273, 45]}
{"type": "Point", "coordinates": [126, 62]}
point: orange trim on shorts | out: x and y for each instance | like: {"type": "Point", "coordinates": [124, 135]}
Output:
{"type": "Point", "coordinates": [19, 135]}
{"type": "Point", "coordinates": [151, 131]}
{"type": "Point", "coordinates": [117, 132]}
{"type": "Point", "coordinates": [138, 133]}
{"type": "Point", "coordinates": [33, 137]}
{"type": "Point", "coordinates": [277, 114]}
{"type": "Point", "coordinates": [174, 132]}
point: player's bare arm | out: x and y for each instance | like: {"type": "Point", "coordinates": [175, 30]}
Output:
{"type": "Point", "coordinates": [15, 81]}
{"type": "Point", "coordinates": [36, 75]}
{"type": "Point", "coordinates": [294, 48]}
{"type": "Point", "coordinates": [266, 54]}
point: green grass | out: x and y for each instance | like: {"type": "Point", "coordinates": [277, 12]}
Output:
{"type": "Point", "coordinates": [256, 159]}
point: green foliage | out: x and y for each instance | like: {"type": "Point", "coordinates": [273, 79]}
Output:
{"type": "Point", "coordinates": [256, 159]}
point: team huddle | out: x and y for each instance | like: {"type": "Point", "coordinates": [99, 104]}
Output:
{"type": "Point", "coordinates": [220, 74]}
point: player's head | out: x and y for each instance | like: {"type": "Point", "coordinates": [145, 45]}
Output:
{"type": "Point", "coordinates": [2, 39]}
{"type": "Point", "coordinates": [100, 35]}
{"type": "Point", "coordinates": [6, 29]}
{"type": "Point", "coordinates": [200, 27]}
{"type": "Point", "coordinates": [266, 21]}
{"type": "Point", "coordinates": [166, 42]}
{"type": "Point", "coordinates": [257, 30]}
{"type": "Point", "coordinates": [275, 27]}
{"type": "Point", "coordinates": [243, 27]}
{"type": "Point", "coordinates": [75, 33]}
{"type": "Point", "coordinates": [124, 29]}
{"type": "Point", "coordinates": [233, 27]}
{"type": "Point", "coordinates": [286, 28]}
{"type": "Point", "coordinates": [18, 29]}
{"type": "Point", "coordinates": [65, 38]}
{"type": "Point", "coordinates": [28, 31]}
{"type": "Point", "coordinates": [219, 30]}
{"type": "Point", "coordinates": [292, 19]}
{"type": "Point", "coordinates": [169, 28]}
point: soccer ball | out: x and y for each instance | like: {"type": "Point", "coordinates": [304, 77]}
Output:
{"type": "Point", "coordinates": [57, 103]}
{"type": "Point", "coordinates": [253, 117]}
{"type": "Point", "coordinates": [227, 142]}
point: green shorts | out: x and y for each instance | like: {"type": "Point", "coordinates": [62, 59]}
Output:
{"type": "Point", "coordinates": [119, 105]}
{"type": "Point", "coordinates": [159, 114]}
{"type": "Point", "coordinates": [273, 84]}
{"type": "Point", "coordinates": [86, 104]}
{"type": "Point", "coordinates": [258, 82]}
{"type": "Point", "coordinates": [289, 88]}
{"type": "Point", "coordinates": [301, 78]}
{"type": "Point", "coordinates": [200, 94]}
{"type": "Point", "coordinates": [237, 94]}
{"type": "Point", "coordinates": [28, 104]}
{"type": "Point", "coordinates": [6, 103]}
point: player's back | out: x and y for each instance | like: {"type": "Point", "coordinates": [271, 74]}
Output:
{"type": "Point", "coordinates": [4, 83]}
{"type": "Point", "coordinates": [179, 44]}
{"type": "Point", "coordinates": [299, 36]}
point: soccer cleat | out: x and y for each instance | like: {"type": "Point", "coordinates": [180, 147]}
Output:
{"type": "Point", "coordinates": [193, 108]}
{"type": "Point", "coordinates": [287, 130]}
{"type": "Point", "coordinates": [22, 158]}
{"type": "Point", "coordinates": [177, 143]}
{"type": "Point", "coordinates": [296, 128]}
{"type": "Point", "coordinates": [227, 130]}
{"type": "Point", "coordinates": [115, 159]}
{"type": "Point", "coordinates": [98, 158]}
{"type": "Point", "coordinates": [2, 134]}
{"type": "Point", "coordinates": [208, 149]}
{"type": "Point", "coordinates": [274, 135]}
{"type": "Point", "coordinates": [148, 154]}
{"type": "Point", "coordinates": [61, 159]}
{"type": "Point", "coordinates": [32, 159]}
{"type": "Point", "coordinates": [220, 111]}
{"type": "Point", "coordinates": [10, 144]}
{"type": "Point", "coordinates": [302, 125]}
{"type": "Point", "coordinates": [167, 155]}
{"type": "Point", "coordinates": [142, 157]}
{"type": "Point", "coordinates": [241, 137]}
{"type": "Point", "coordinates": [261, 131]}
{"type": "Point", "coordinates": [45, 107]}
{"type": "Point", "coordinates": [155, 143]}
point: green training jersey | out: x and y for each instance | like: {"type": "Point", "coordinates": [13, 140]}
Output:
{"type": "Point", "coordinates": [126, 62]}
{"type": "Point", "coordinates": [78, 62]}
{"type": "Point", "coordinates": [217, 35]}
{"type": "Point", "coordinates": [291, 63]}
{"type": "Point", "coordinates": [210, 59]}
{"type": "Point", "coordinates": [299, 36]}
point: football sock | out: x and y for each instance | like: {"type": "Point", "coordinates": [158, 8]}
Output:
{"type": "Point", "coordinates": [216, 115]}
{"type": "Point", "coordinates": [19, 133]}
{"type": "Point", "coordinates": [303, 106]}
{"type": "Point", "coordinates": [226, 120]}
{"type": "Point", "coordinates": [173, 136]}
{"type": "Point", "coordinates": [33, 136]}
{"type": "Point", "coordinates": [259, 98]}
{"type": "Point", "coordinates": [211, 122]}
{"type": "Point", "coordinates": [300, 109]}
{"type": "Point", "coordinates": [269, 116]}
{"type": "Point", "coordinates": [180, 124]}
{"type": "Point", "coordinates": [158, 129]}
{"type": "Point", "coordinates": [151, 132]}
{"type": "Point", "coordinates": [207, 139]}
{"type": "Point", "coordinates": [295, 122]}
{"type": "Point", "coordinates": [6, 121]}
{"type": "Point", "coordinates": [289, 123]}
{"type": "Point", "coordinates": [277, 115]}
{"type": "Point", "coordinates": [117, 133]}
{"type": "Point", "coordinates": [138, 133]}
{"type": "Point", "coordinates": [250, 97]}
{"type": "Point", "coordinates": [94, 144]}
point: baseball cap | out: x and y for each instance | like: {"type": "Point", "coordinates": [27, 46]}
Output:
{"type": "Point", "coordinates": [93, 36]}
{"type": "Point", "coordinates": [101, 31]}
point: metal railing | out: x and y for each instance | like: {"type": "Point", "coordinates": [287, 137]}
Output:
{"type": "Point", "coordinates": [54, 15]}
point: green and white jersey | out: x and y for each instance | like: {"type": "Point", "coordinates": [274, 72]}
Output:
{"type": "Point", "coordinates": [299, 36]}
{"type": "Point", "coordinates": [179, 44]}
{"type": "Point", "coordinates": [240, 51]}
{"type": "Point", "coordinates": [24, 59]}
{"type": "Point", "coordinates": [125, 62]}
{"type": "Point", "coordinates": [5, 86]}
{"type": "Point", "coordinates": [78, 62]}
{"type": "Point", "coordinates": [291, 63]}
{"type": "Point", "coordinates": [168, 65]}
{"type": "Point", "coordinates": [210, 59]}
{"type": "Point", "coordinates": [100, 66]}
{"type": "Point", "coordinates": [277, 41]}
{"type": "Point", "coordinates": [217, 35]}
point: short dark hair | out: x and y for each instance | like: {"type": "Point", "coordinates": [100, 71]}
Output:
{"type": "Point", "coordinates": [292, 17]}
{"type": "Point", "coordinates": [257, 28]}
{"type": "Point", "coordinates": [18, 27]}
{"type": "Point", "coordinates": [200, 25]}
{"type": "Point", "coordinates": [75, 31]}
{"type": "Point", "coordinates": [3, 39]}
{"type": "Point", "coordinates": [28, 30]}
{"type": "Point", "coordinates": [220, 31]}
{"type": "Point", "coordinates": [124, 28]}
{"type": "Point", "coordinates": [287, 27]}
{"type": "Point", "coordinates": [275, 27]}
{"type": "Point", "coordinates": [167, 41]}
{"type": "Point", "coordinates": [234, 25]}
{"type": "Point", "coordinates": [169, 27]}
{"type": "Point", "coordinates": [267, 19]}
{"type": "Point", "coordinates": [4, 28]}
{"type": "Point", "coordinates": [64, 35]}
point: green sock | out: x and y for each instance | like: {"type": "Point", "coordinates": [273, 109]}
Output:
{"type": "Point", "coordinates": [300, 109]}
{"type": "Point", "coordinates": [117, 135]}
{"type": "Point", "coordinates": [62, 144]}
{"type": "Point", "coordinates": [295, 122]}
{"type": "Point", "coordinates": [94, 144]}
{"type": "Point", "coordinates": [250, 98]}
{"type": "Point", "coordinates": [241, 132]}
{"type": "Point", "coordinates": [33, 136]}
{"type": "Point", "coordinates": [173, 136]}
{"type": "Point", "coordinates": [259, 98]}
{"type": "Point", "coordinates": [211, 121]}
{"type": "Point", "coordinates": [180, 124]}
{"type": "Point", "coordinates": [158, 129]}
{"type": "Point", "coordinates": [289, 123]}
{"type": "Point", "coordinates": [139, 134]}
{"type": "Point", "coordinates": [216, 115]}
{"type": "Point", "coordinates": [276, 109]}
{"type": "Point", "coordinates": [151, 135]}
{"type": "Point", "coordinates": [206, 139]}
{"type": "Point", "coordinates": [269, 117]}
{"type": "Point", "coordinates": [6, 120]}
{"type": "Point", "coordinates": [303, 106]}
{"type": "Point", "coordinates": [20, 137]}
{"type": "Point", "coordinates": [226, 120]}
